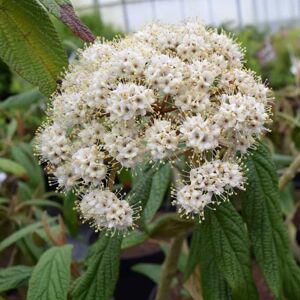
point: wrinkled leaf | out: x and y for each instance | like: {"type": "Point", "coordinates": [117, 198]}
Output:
{"type": "Point", "coordinates": [201, 253]}
{"type": "Point", "coordinates": [98, 282]}
{"type": "Point", "coordinates": [64, 11]}
{"type": "Point", "coordinates": [261, 211]}
{"type": "Point", "coordinates": [229, 248]}
{"type": "Point", "coordinates": [29, 43]}
{"type": "Point", "coordinates": [159, 186]}
{"type": "Point", "coordinates": [51, 276]}
{"type": "Point", "coordinates": [13, 277]}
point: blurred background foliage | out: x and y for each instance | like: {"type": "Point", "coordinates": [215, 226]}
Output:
{"type": "Point", "coordinates": [29, 206]}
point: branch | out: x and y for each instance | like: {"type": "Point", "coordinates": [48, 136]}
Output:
{"type": "Point", "coordinates": [289, 173]}
{"type": "Point", "coordinates": [169, 268]}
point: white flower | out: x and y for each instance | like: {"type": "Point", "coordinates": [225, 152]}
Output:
{"type": "Point", "coordinates": [105, 210]}
{"type": "Point", "coordinates": [161, 93]}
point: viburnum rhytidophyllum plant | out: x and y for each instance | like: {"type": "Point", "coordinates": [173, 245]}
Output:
{"type": "Point", "coordinates": [163, 92]}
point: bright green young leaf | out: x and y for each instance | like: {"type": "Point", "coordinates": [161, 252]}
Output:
{"type": "Point", "coordinates": [261, 211]}
{"type": "Point", "coordinates": [13, 277]}
{"type": "Point", "coordinates": [98, 282]}
{"type": "Point", "coordinates": [159, 186]}
{"type": "Point", "coordinates": [213, 282]}
{"type": "Point", "coordinates": [151, 271]}
{"type": "Point", "coordinates": [51, 276]}
{"type": "Point", "coordinates": [64, 11]}
{"type": "Point", "coordinates": [227, 246]}
{"type": "Point", "coordinates": [10, 166]}
{"type": "Point", "coordinates": [29, 43]}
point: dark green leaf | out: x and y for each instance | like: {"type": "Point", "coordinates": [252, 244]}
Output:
{"type": "Point", "coordinates": [160, 184]}
{"type": "Point", "coordinates": [291, 279]}
{"type": "Point", "coordinates": [261, 211]}
{"type": "Point", "coordinates": [98, 282]}
{"type": "Point", "coordinates": [13, 277]}
{"type": "Point", "coordinates": [64, 11]}
{"type": "Point", "coordinates": [51, 276]}
{"type": "Point", "coordinates": [229, 250]}
{"type": "Point", "coordinates": [69, 212]}
{"type": "Point", "coordinates": [29, 43]}
{"type": "Point", "coordinates": [213, 282]}
{"type": "Point", "coordinates": [10, 166]}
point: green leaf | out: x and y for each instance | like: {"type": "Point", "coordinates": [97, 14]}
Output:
{"type": "Point", "coordinates": [229, 248]}
{"type": "Point", "coordinates": [29, 43]}
{"type": "Point", "coordinates": [51, 276]}
{"type": "Point", "coordinates": [41, 202]}
{"type": "Point", "coordinates": [9, 166]}
{"type": "Point", "coordinates": [13, 277]}
{"type": "Point", "coordinates": [21, 233]}
{"type": "Point", "coordinates": [64, 11]}
{"type": "Point", "coordinates": [98, 282]}
{"type": "Point", "coordinates": [134, 238]}
{"type": "Point", "coordinates": [291, 279]}
{"type": "Point", "coordinates": [141, 187]}
{"type": "Point", "coordinates": [151, 271]}
{"type": "Point", "coordinates": [22, 153]}
{"type": "Point", "coordinates": [213, 282]}
{"type": "Point", "coordinates": [22, 100]}
{"type": "Point", "coordinates": [261, 211]}
{"type": "Point", "coordinates": [168, 225]}
{"type": "Point", "coordinates": [159, 186]}
{"type": "Point", "coordinates": [70, 214]}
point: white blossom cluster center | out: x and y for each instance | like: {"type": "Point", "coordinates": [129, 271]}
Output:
{"type": "Point", "coordinates": [163, 92]}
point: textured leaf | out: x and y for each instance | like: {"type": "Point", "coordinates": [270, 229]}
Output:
{"type": "Point", "coordinates": [151, 271]}
{"type": "Point", "coordinates": [98, 282]}
{"type": "Point", "coordinates": [141, 187]}
{"type": "Point", "coordinates": [10, 166]}
{"type": "Point", "coordinates": [228, 248]}
{"type": "Point", "coordinates": [213, 282]}
{"type": "Point", "coordinates": [29, 43]}
{"type": "Point", "coordinates": [261, 211]}
{"type": "Point", "coordinates": [51, 276]}
{"type": "Point", "coordinates": [291, 279]}
{"type": "Point", "coordinates": [64, 11]}
{"type": "Point", "coordinates": [13, 277]}
{"type": "Point", "coordinates": [159, 186]}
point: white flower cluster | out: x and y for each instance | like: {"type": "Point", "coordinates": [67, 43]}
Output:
{"type": "Point", "coordinates": [213, 178]}
{"type": "Point", "coordinates": [165, 91]}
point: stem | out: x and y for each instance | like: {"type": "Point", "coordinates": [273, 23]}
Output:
{"type": "Point", "coordinates": [169, 268]}
{"type": "Point", "coordinates": [289, 173]}
{"type": "Point", "coordinates": [112, 176]}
